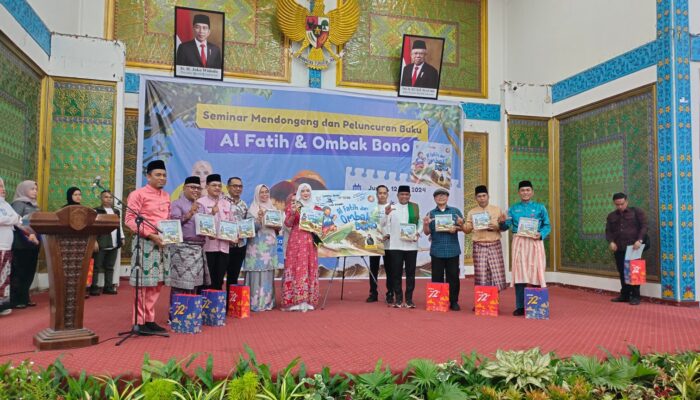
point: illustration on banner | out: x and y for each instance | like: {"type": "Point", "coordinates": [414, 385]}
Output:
{"type": "Point", "coordinates": [432, 164]}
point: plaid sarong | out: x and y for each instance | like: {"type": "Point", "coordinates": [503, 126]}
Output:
{"type": "Point", "coordinates": [155, 264]}
{"type": "Point", "coordinates": [489, 267]}
{"type": "Point", "coordinates": [188, 266]}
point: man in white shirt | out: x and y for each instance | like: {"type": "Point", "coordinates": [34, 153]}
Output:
{"type": "Point", "coordinates": [402, 253]}
{"type": "Point", "coordinates": [382, 201]}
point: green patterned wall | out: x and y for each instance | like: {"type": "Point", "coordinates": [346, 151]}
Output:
{"type": "Point", "coordinates": [475, 155]}
{"type": "Point", "coordinates": [82, 126]}
{"type": "Point", "coordinates": [20, 97]}
{"type": "Point", "coordinates": [528, 159]}
{"type": "Point", "coordinates": [373, 55]}
{"type": "Point", "coordinates": [605, 150]}
{"type": "Point", "coordinates": [131, 137]}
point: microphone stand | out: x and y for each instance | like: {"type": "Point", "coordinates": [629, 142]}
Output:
{"type": "Point", "coordinates": [135, 329]}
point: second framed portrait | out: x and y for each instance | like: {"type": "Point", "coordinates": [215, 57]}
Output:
{"type": "Point", "coordinates": [421, 62]}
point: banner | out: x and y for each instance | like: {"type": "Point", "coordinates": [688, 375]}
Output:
{"type": "Point", "coordinates": [283, 137]}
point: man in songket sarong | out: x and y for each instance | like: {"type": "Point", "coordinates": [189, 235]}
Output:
{"type": "Point", "coordinates": [188, 266]}
{"type": "Point", "coordinates": [151, 203]}
{"type": "Point", "coordinates": [529, 222]}
{"type": "Point", "coordinates": [486, 221]}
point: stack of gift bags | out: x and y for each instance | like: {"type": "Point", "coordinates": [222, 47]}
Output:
{"type": "Point", "coordinates": [189, 312]}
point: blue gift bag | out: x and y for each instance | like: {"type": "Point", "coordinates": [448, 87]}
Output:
{"type": "Point", "coordinates": [186, 312]}
{"type": "Point", "coordinates": [214, 307]}
{"type": "Point", "coordinates": [537, 303]}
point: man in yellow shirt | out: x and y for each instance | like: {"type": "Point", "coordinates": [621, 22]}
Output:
{"type": "Point", "coordinates": [486, 221]}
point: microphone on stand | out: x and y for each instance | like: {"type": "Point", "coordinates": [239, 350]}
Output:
{"type": "Point", "coordinates": [96, 182]}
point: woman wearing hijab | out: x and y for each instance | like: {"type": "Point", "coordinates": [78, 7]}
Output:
{"type": "Point", "coordinates": [73, 196]}
{"type": "Point", "coordinates": [9, 221]}
{"type": "Point", "coordinates": [300, 288]}
{"type": "Point", "coordinates": [261, 254]}
{"type": "Point", "coordinates": [25, 247]}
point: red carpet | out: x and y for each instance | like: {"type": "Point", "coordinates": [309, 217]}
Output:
{"type": "Point", "coordinates": [351, 335]}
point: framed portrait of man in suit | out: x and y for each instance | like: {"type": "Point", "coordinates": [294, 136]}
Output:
{"type": "Point", "coordinates": [421, 62]}
{"type": "Point", "coordinates": [199, 43]}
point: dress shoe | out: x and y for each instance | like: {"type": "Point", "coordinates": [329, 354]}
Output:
{"type": "Point", "coordinates": [95, 291]}
{"type": "Point", "coordinates": [389, 300]}
{"type": "Point", "coordinates": [635, 301]}
{"type": "Point", "coordinates": [620, 299]}
{"type": "Point", "coordinates": [153, 327]}
{"type": "Point", "coordinates": [144, 331]}
{"type": "Point", "coordinates": [110, 291]}
{"type": "Point", "coordinates": [410, 304]}
{"type": "Point", "coordinates": [19, 306]}
{"type": "Point", "coordinates": [454, 307]}
{"type": "Point", "coordinates": [31, 304]}
{"type": "Point", "coordinates": [372, 298]}
{"type": "Point", "coordinates": [519, 312]}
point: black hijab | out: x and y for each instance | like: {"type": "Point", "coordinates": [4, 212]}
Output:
{"type": "Point", "coordinates": [69, 196]}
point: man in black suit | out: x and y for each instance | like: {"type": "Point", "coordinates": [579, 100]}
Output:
{"type": "Point", "coordinates": [108, 246]}
{"type": "Point", "coordinates": [199, 52]}
{"type": "Point", "coordinates": [419, 73]}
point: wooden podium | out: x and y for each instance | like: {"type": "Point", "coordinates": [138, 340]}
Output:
{"type": "Point", "coordinates": [68, 237]}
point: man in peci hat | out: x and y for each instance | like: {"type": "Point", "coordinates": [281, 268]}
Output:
{"type": "Point", "coordinates": [188, 266]}
{"type": "Point", "coordinates": [528, 257]}
{"type": "Point", "coordinates": [216, 250]}
{"type": "Point", "coordinates": [199, 52]}
{"type": "Point", "coordinates": [153, 204]}
{"type": "Point", "coordinates": [444, 246]}
{"type": "Point", "coordinates": [402, 253]}
{"type": "Point", "coordinates": [419, 73]}
{"type": "Point", "coordinates": [489, 267]}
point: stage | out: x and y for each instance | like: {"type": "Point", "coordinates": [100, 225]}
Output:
{"type": "Point", "coordinates": [351, 335]}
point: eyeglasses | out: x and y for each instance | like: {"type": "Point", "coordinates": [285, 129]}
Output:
{"type": "Point", "coordinates": [236, 186]}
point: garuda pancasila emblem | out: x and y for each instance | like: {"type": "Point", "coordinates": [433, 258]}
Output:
{"type": "Point", "coordinates": [316, 30]}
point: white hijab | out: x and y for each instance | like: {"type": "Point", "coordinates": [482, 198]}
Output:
{"type": "Point", "coordinates": [310, 201]}
{"type": "Point", "coordinates": [258, 205]}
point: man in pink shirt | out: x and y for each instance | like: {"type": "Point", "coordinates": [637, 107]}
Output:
{"type": "Point", "coordinates": [216, 250]}
{"type": "Point", "coordinates": [153, 204]}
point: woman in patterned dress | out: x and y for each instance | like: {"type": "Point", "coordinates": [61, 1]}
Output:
{"type": "Point", "coordinates": [261, 254]}
{"type": "Point", "coordinates": [300, 288]}
{"type": "Point", "coordinates": [9, 221]}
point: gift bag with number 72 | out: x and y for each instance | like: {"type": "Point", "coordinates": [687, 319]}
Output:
{"type": "Point", "coordinates": [437, 297]}
{"type": "Point", "coordinates": [536, 303]}
{"type": "Point", "coordinates": [486, 300]}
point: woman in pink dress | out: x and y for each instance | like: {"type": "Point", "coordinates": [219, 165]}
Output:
{"type": "Point", "coordinates": [300, 290]}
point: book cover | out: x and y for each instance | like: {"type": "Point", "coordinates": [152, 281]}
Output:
{"type": "Point", "coordinates": [205, 225]}
{"type": "Point", "coordinates": [273, 218]}
{"type": "Point", "coordinates": [528, 227]}
{"type": "Point", "coordinates": [481, 221]}
{"type": "Point", "coordinates": [311, 220]}
{"type": "Point", "coordinates": [228, 231]}
{"type": "Point", "coordinates": [408, 232]}
{"type": "Point", "coordinates": [246, 228]}
{"type": "Point", "coordinates": [443, 223]}
{"type": "Point", "coordinates": [432, 164]}
{"type": "Point", "coordinates": [171, 231]}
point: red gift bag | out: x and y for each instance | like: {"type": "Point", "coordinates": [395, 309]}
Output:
{"type": "Point", "coordinates": [636, 272]}
{"type": "Point", "coordinates": [239, 301]}
{"type": "Point", "coordinates": [486, 300]}
{"type": "Point", "coordinates": [437, 297]}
